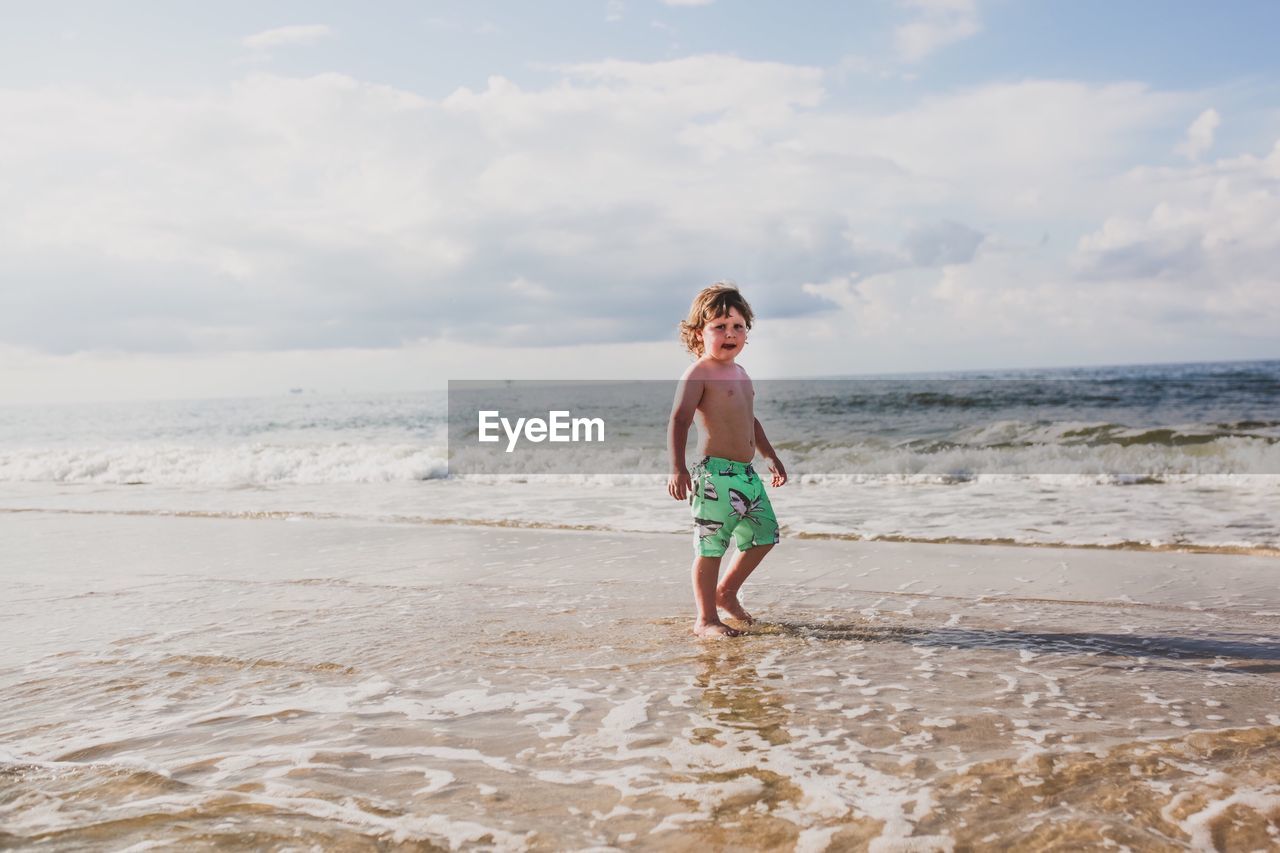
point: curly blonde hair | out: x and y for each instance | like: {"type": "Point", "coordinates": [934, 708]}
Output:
{"type": "Point", "coordinates": [714, 301]}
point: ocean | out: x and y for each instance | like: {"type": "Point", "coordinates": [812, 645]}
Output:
{"type": "Point", "coordinates": [1163, 456]}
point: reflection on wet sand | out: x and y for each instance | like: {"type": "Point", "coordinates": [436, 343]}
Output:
{"type": "Point", "coordinates": [738, 697]}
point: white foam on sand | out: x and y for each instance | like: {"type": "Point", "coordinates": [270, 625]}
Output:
{"type": "Point", "coordinates": [384, 680]}
{"type": "Point", "coordinates": [409, 485]}
{"type": "Point", "coordinates": [400, 828]}
{"type": "Point", "coordinates": [1200, 825]}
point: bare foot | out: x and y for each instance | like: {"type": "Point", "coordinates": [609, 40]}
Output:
{"type": "Point", "coordinates": [730, 604]}
{"type": "Point", "coordinates": [712, 630]}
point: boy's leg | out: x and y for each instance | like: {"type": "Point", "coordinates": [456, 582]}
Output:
{"type": "Point", "coordinates": [708, 624]}
{"type": "Point", "coordinates": [739, 570]}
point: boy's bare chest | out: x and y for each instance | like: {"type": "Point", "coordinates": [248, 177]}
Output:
{"type": "Point", "coordinates": [727, 398]}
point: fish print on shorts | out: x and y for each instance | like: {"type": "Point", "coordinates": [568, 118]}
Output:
{"type": "Point", "coordinates": [706, 527]}
{"type": "Point", "coordinates": [744, 508]}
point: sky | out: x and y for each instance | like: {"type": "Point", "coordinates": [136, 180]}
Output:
{"type": "Point", "coordinates": [235, 199]}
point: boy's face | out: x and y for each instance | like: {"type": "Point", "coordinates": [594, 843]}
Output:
{"type": "Point", "coordinates": [724, 337]}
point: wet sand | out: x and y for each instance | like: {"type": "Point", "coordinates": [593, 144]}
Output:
{"type": "Point", "coordinates": [203, 683]}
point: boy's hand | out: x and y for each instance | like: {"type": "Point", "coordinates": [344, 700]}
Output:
{"type": "Point", "coordinates": [679, 484]}
{"type": "Point", "coordinates": [779, 473]}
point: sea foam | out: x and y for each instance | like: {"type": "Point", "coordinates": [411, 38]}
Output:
{"type": "Point", "coordinates": [230, 465]}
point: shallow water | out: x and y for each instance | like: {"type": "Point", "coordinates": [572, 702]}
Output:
{"type": "Point", "coordinates": [1235, 513]}
{"type": "Point", "coordinates": [208, 684]}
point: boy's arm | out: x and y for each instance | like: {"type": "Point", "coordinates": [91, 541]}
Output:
{"type": "Point", "coordinates": [766, 450]}
{"type": "Point", "coordinates": [688, 395]}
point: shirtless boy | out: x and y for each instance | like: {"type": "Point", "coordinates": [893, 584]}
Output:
{"type": "Point", "coordinates": [724, 490]}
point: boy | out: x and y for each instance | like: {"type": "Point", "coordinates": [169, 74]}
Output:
{"type": "Point", "coordinates": [725, 492]}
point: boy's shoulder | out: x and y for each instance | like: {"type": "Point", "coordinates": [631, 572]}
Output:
{"type": "Point", "coordinates": [697, 370]}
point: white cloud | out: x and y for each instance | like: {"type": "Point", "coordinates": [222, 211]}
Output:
{"type": "Point", "coordinates": [1200, 241]}
{"type": "Point", "coordinates": [935, 24]}
{"type": "Point", "coordinates": [941, 243]}
{"type": "Point", "coordinates": [1186, 272]}
{"type": "Point", "coordinates": [279, 36]}
{"type": "Point", "coordinates": [687, 2]}
{"type": "Point", "coordinates": [1200, 135]}
{"type": "Point", "coordinates": [533, 289]}
{"type": "Point", "coordinates": [327, 212]}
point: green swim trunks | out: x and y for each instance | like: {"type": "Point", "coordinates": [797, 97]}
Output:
{"type": "Point", "coordinates": [729, 501]}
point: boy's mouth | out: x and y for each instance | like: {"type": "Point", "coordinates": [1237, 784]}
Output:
{"type": "Point", "coordinates": [729, 346]}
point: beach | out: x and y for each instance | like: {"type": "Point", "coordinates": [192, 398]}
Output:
{"type": "Point", "coordinates": [295, 682]}
{"type": "Point", "coordinates": [370, 376]}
